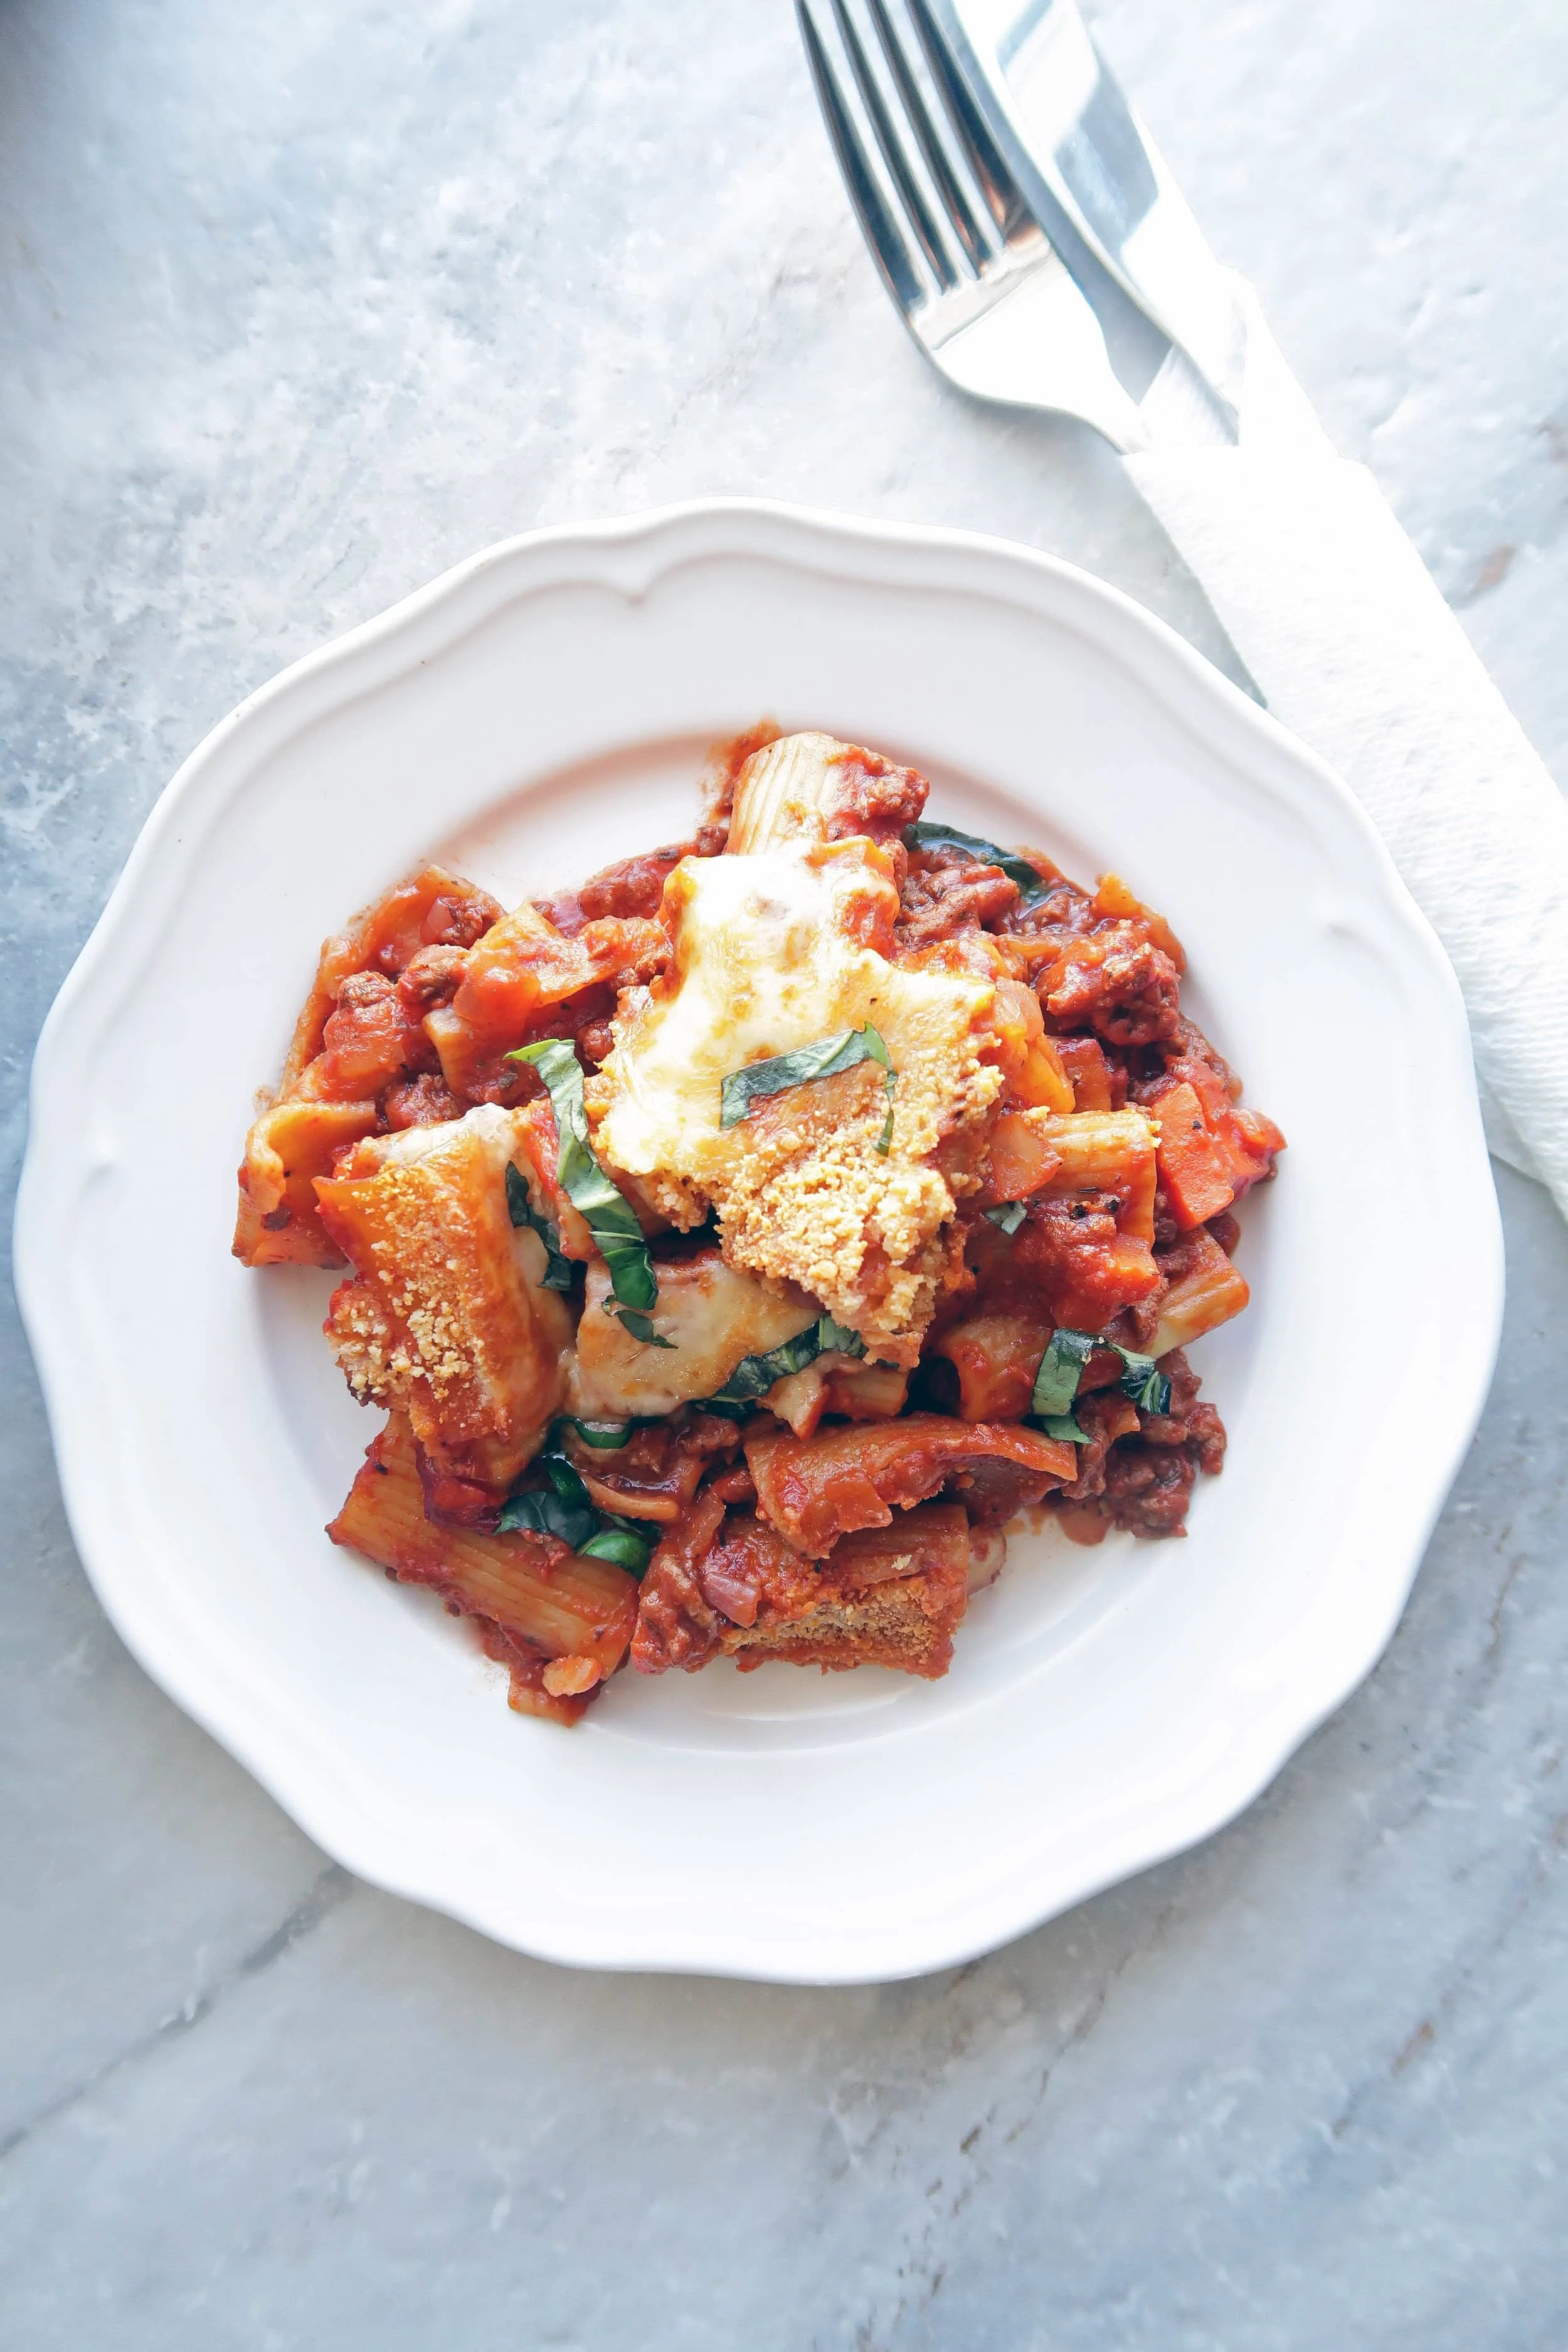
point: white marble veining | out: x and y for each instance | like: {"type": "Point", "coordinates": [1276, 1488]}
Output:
{"type": "Point", "coordinates": [298, 306]}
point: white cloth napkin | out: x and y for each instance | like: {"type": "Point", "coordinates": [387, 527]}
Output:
{"type": "Point", "coordinates": [1343, 627]}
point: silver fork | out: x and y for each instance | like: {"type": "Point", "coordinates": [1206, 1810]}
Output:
{"type": "Point", "coordinates": [1016, 211]}
{"type": "Point", "coordinates": [1006, 286]}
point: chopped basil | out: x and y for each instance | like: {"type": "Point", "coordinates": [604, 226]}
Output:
{"type": "Point", "coordinates": [947, 836]}
{"type": "Point", "coordinates": [621, 1545]}
{"type": "Point", "coordinates": [1009, 1216]}
{"type": "Point", "coordinates": [1064, 1425]}
{"type": "Point", "coordinates": [565, 1510]}
{"type": "Point", "coordinates": [754, 1376]}
{"type": "Point", "coordinates": [604, 1436]}
{"type": "Point", "coordinates": [639, 1326]}
{"type": "Point", "coordinates": [563, 1475]}
{"type": "Point", "coordinates": [543, 1512]}
{"type": "Point", "coordinates": [520, 1207]}
{"type": "Point", "coordinates": [611, 1221]}
{"type": "Point", "coordinates": [1061, 1367]}
{"type": "Point", "coordinates": [1143, 1380]}
{"type": "Point", "coordinates": [743, 1088]}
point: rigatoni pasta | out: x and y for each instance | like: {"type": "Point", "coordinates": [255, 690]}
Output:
{"type": "Point", "coordinates": [739, 1242]}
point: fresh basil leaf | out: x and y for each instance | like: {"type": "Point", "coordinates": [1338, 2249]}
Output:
{"type": "Point", "coordinates": [621, 1545]}
{"type": "Point", "coordinates": [610, 1220]}
{"type": "Point", "coordinates": [1009, 1216]}
{"type": "Point", "coordinates": [564, 1477]}
{"type": "Point", "coordinates": [877, 1051]}
{"type": "Point", "coordinates": [604, 1436]}
{"type": "Point", "coordinates": [1061, 1367]}
{"type": "Point", "coordinates": [947, 836]}
{"type": "Point", "coordinates": [639, 1326]}
{"type": "Point", "coordinates": [650, 1530]}
{"type": "Point", "coordinates": [1064, 1425]}
{"type": "Point", "coordinates": [754, 1376]}
{"type": "Point", "coordinates": [545, 1512]}
{"type": "Point", "coordinates": [521, 1209]}
{"type": "Point", "coordinates": [1143, 1380]}
{"type": "Point", "coordinates": [758, 1080]}
{"type": "Point", "coordinates": [565, 1509]}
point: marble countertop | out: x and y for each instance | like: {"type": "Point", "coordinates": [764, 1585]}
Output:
{"type": "Point", "coordinates": [299, 306]}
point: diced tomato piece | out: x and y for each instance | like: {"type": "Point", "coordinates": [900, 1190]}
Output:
{"type": "Point", "coordinates": [1194, 1166]}
{"type": "Point", "coordinates": [1260, 1142]}
{"type": "Point", "coordinates": [1249, 1143]}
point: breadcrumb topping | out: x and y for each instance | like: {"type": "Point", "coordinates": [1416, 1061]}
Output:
{"type": "Point", "coordinates": [444, 1320]}
{"type": "Point", "coordinates": [773, 953]}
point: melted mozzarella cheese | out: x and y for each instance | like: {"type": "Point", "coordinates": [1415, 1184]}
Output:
{"type": "Point", "coordinates": [768, 960]}
{"type": "Point", "coordinates": [710, 1315]}
{"type": "Point", "coordinates": [487, 1125]}
{"type": "Point", "coordinates": [770, 956]}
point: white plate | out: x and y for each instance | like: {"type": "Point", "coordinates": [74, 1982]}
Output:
{"type": "Point", "coordinates": [541, 710]}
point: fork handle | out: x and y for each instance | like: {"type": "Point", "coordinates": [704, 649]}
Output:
{"type": "Point", "coordinates": [1344, 630]}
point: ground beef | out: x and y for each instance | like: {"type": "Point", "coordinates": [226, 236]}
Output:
{"type": "Point", "coordinates": [873, 797]}
{"type": "Point", "coordinates": [356, 995]}
{"type": "Point", "coordinates": [1147, 1489]}
{"type": "Point", "coordinates": [1207, 1436]}
{"type": "Point", "coordinates": [635, 886]}
{"type": "Point", "coordinates": [1166, 1229]}
{"type": "Point", "coordinates": [1184, 1042]}
{"type": "Point", "coordinates": [585, 1018]}
{"type": "Point", "coordinates": [369, 1039]}
{"type": "Point", "coordinates": [945, 892]}
{"type": "Point", "coordinates": [432, 978]}
{"type": "Point", "coordinates": [1197, 1428]}
{"type": "Point", "coordinates": [1063, 912]}
{"type": "Point", "coordinates": [1116, 982]}
{"type": "Point", "coordinates": [1104, 1418]}
{"type": "Point", "coordinates": [1070, 1258]}
{"type": "Point", "coordinates": [459, 921]}
{"type": "Point", "coordinates": [1141, 1477]}
{"type": "Point", "coordinates": [455, 919]}
{"type": "Point", "coordinates": [423, 1101]}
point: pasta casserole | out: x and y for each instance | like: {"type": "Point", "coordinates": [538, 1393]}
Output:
{"type": "Point", "coordinates": [738, 1244]}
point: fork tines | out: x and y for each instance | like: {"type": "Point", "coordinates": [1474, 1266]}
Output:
{"type": "Point", "coordinates": [933, 197]}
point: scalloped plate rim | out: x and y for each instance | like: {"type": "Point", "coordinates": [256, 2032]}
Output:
{"type": "Point", "coordinates": [352, 1828]}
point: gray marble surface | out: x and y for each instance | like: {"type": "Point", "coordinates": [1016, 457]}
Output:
{"type": "Point", "coordinates": [300, 305]}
